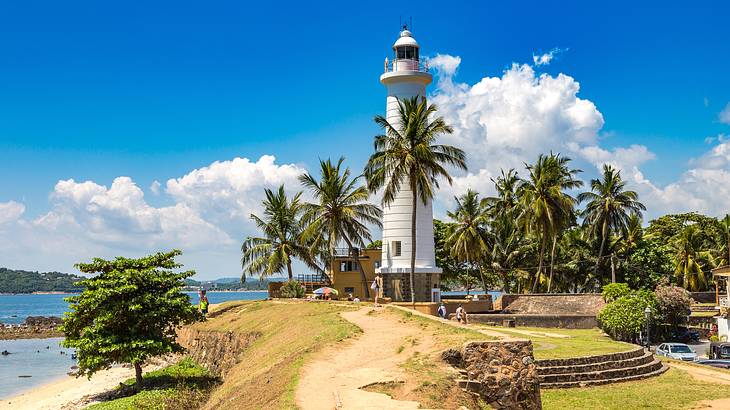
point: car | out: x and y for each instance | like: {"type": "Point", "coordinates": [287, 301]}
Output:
{"type": "Point", "coordinates": [722, 364]}
{"type": "Point", "coordinates": [678, 351]}
{"type": "Point", "coordinates": [685, 335]}
{"type": "Point", "coordinates": [719, 350]}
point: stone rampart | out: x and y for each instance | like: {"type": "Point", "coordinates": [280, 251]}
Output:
{"type": "Point", "coordinates": [217, 351]}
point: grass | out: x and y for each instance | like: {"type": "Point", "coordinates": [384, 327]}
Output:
{"type": "Point", "coordinates": [268, 371]}
{"type": "Point", "coordinates": [673, 390]}
{"type": "Point", "coordinates": [580, 342]}
{"type": "Point", "coordinates": [447, 335]}
{"type": "Point", "coordinates": [182, 385]}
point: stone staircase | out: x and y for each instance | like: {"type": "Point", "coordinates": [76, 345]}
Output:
{"type": "Point", "coordinates": [596, 370]}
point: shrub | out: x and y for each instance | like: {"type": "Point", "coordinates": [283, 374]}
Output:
{"type": "Point", "coordinates": [673, 305]}
{"type": "Point", "coordinates": [623, 318]}
{"type": "Point", "coordinates": [614, 291]}
{"type": "Point", "coordinates": [292, 289]}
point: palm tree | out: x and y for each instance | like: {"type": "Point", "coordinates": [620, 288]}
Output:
{"type": "Point", "coordinates": [722, 254]}
{"type": "Point", "coordinates": [281, 240]}
{"type": "Point", "coordinates": [467, 238]}
{"type": "Point", "coordinates": [609, 208]}
{"type": "Point", "coordinates": [508, 248]}
{"type": "Point", "coordinates": [546, 209]}
{"type": "Point", "coordinates": [506, 199]}
{"type": "Point", "coordinates": [341, 212]}
{"type": "Point", "coordinates": [407, 156]}
{"type": "Point", "coordinates": [689, 259]}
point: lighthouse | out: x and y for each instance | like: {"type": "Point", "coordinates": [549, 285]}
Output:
{"type": "Point", "coordinates": [406, 76]}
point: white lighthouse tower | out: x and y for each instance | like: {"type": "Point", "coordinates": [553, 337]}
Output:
{"type": "Point", "coordinates": [405, 77]}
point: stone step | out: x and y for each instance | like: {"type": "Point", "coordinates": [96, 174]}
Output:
{"type": "Point", "coordinates": [601, 374]}
{"type": "Point", "coordinates": [574, 361]}
{"type": "Point", "coordinates": [588, 383]}
{"type": "Point", "coordinates": [647, 357]}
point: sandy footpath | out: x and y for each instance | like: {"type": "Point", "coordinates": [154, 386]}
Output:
{"type": "Point", "coordinates": [71, 393]}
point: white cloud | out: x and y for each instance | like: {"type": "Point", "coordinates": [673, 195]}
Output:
{"type": "Point", "coordinates": [546, 58]}
{"type": "Point", "coordinates": [724, 115]}
{"type": "Point", "coordinates": [10, 211]}
{"type": "Point", "coordinates": [208, 218]}
{"type": "Point", "coordinates": [155, 187]}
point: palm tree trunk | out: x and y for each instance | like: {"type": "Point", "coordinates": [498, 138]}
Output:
{"type": "Point", "coordinates": [484, 283]}
{"type": "Point", "coordinates": [552, 260]}
{"type": "Point", "coordinates": [600, 251]}
{"type": "Point", "coordinates": [543, 243]}
{"type": "Point", "coordinates": [613, 269]}
{"type": "Point", "coordinates": [288, 269]}
{"type": "Point", "coordinates": [138, 375]}
{"type": "Point", "coordinates": [364, 279]}
{"type": "Point", "coordinates": [413, 246]}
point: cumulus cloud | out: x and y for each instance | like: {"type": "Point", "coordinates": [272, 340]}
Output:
{"type": "Point", "coordinates": [155, 187]}
{"type": "Point", "coordinates": [505, 121]}
{"type": "Point", "coordinates": [10, 211]}
{"type": "Point", "coordinates": [546, 58]}
{"type": "Point", "coordinates": [724, 115]}
{"type": "Point", "coordinates": [208, 217]}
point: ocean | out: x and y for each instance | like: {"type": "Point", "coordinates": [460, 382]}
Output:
{"type": "Point", "coordinates": [42, 359]}
{"type": "Point", "coordinates": [15, 308]}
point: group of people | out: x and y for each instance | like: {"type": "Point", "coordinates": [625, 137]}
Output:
{"type": "Point", "coordinates": [461, 315]}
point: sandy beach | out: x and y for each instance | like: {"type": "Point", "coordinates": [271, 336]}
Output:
{"type": "Point", "coordinates": [69, 393]}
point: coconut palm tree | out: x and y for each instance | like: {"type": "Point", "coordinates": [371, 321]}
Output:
{"type": "Point", "coordinates": [408, 157]}
{"type": "Point", "coordinates": [341, 212]}
{"type": "Point", "coordinates": [722, 240]}
{"type": "Point", "coordinates": [508, 249]}
{"type": "Point", "coordinates": [281, 240]}
{"type": "Point", "coordinates": [689, 259]}
{"type": "Point", "coordinates": [506, 199]}
{"type": "Point", "coordinates": [546, 209]}
{"type": "Point", "coordinates": [467, 238]}
{"type": "Point", "coordinates": [609, 208]}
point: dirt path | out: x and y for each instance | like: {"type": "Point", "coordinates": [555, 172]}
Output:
{"type": "Point", "coordinates": [333, 380]}
{"type": "Point", "coordinates": [709, 375]}
{"type": "Point", "coordinates": [70, 393]}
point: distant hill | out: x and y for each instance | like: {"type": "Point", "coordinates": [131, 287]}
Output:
{"type": "Point", "coordinates": [21, 281]}
{"type": "Point", "coordinates": [230, 283]}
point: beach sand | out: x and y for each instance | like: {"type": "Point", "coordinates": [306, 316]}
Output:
{"type": "Point", "coordinates": [70, 393]}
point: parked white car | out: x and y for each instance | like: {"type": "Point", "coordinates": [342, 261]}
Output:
{"type": "Point", "coordinates": [678, 351]}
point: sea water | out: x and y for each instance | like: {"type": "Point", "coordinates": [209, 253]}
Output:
{"type": "Point", "coordinates": [42, 358]}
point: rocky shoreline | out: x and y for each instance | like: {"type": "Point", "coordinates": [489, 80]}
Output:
{"type": "Point", "coordinates": [34, 327]}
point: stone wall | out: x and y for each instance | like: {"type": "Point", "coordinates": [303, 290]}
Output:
{"type": "Point", "coordinates": [528, 320]}
{"type": "Point", "coordinates": [217, 351]}
{"type": "Point", "coordinates": [551, 303]}
{"type": "Point", "coordinates": [503, 373]}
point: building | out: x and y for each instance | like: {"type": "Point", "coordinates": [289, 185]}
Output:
{"type": "Point", "coordinates": [345, 272]}
{"type": "Point", "coordinates": [406, 76]}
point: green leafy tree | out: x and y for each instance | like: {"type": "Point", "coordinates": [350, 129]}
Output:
{"type": "Point", "coordinates": [648, 263]}
{"type": "Point", "coordinates": [609, 208]}
{"type": "Point", "coordinates": [690, 260]}
{"type": "Point", "coordinates": [673, 304]}
{"type": "Point", "coordinates": [408, 157]}
{"type": "Point", "coordinates": [546, 208]}
{"type": "Point", "coordinates": [341, 212]}
{"type": "Point", "coordinates": [467, 238]}
{"type": "Point", "coordinates": [281, 241]}
{"type": "Point", "coordinates": [454, 272]}
{"type": "Point", "coordinates": [624, 317]}
{"type": "Point", "coordinates": [128, 312]}
{"type": "Point", "coordinates": [613, 291]}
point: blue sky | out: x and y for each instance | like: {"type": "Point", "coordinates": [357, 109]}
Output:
{"type": "Point", "coordinates": [92, 91]}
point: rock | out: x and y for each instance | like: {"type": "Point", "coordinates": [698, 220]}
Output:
{"type": "Point", "coordinates": [5, 353]}
{"type": "Point", "coordinates": [452, 357]}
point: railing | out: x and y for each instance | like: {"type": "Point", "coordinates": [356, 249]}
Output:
{"type": "Point", "coordinates": [406, 65]}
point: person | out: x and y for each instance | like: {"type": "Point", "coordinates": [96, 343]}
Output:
{"type": "Point", "coordinates": [203, 306]}
{"type": "Point", "coordinates": [356, 299]}
{"type": "Point", "coordinates": [377, 287]}
{"type": "Point", "coordinates": [461, 315]}
{"type": "Point", "coordinates": [349, 297]}
{"type": "Point", "coordinates": [442, 311]}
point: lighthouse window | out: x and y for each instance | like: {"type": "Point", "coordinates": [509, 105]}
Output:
{"type": "Point", "coordinates": [396, 248]}
{"type": "Point", "coordinates": [407, 53]}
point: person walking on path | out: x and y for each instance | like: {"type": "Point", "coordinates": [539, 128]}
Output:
{"type": "Point", "coordinates": [203, 306]}
{"type": "Point", "coordinates": [461, 315]}
{"type": "Point", "coordinates": [377, 287]}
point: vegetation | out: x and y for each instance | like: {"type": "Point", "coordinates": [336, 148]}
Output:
{"type": "Point", "coordinates": [21, 281]}
{"type": "Point", "coordinates": [292, 289]}
{"type": "Point", "coordinates": [184, 385]}
{"type": "Point", "coordinates": [624, 317]}
{"type": "Point", "coordinates": [128, 312]}
{"type": "Point", "coordinates": [288, 334]}
{"type": "Point", "coordinates": [408, 157]}
{"type": "Point", "coordinates": [282, 238]}
{"type": "Point", "coordinates": [673, 305]}
{"type": "Point", "coordinates": [613, 291]}
{"type": "Point", "coordinates": [673, 390]}
{"type": "Point", "coordinates": [342, 213]}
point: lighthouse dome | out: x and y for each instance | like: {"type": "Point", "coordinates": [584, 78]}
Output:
{"type": "Point", "coordinates": [406, 39]}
